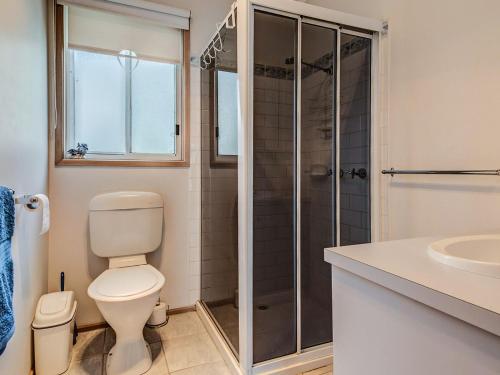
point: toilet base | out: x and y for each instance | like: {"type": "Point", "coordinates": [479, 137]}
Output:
{"type": "Point", "coordinates": [129, 358]}
{"type": "Point", "coordinates": [127, 316]}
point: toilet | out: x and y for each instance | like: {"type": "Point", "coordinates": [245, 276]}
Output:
{"type": "Point", "coordinates": [124, 227]}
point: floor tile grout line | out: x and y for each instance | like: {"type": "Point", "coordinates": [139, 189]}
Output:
{"type": "Point", "coordinates": [202, 331]}
{"type": "Point", "coordinates": [164, 356]}
{"type": "Point", "coordinates": [200, 365]}
{"type": "Point", "coordinates": [183, 336]}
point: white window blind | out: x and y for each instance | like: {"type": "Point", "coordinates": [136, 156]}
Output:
{"type": "Point", "coordinates": [167, 15]}
{"type": "Point", "coordinates": [98, 30]}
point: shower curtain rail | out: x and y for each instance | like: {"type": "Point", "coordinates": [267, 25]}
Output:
{"type": "Point", "coordinates": [229, 22]}
{"type": "Point", "coordinates": [472, 172]}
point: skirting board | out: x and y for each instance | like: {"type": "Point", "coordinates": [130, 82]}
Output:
{"type": "Point", "coordinates": [93, 326]}
{"type": "Point", "coordinates": [289, 365]}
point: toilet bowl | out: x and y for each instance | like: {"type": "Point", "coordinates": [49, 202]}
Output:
{"type": "Point", "coordinates": [126, 298]}
{"type": "Point", "coordinates": [124, 226]}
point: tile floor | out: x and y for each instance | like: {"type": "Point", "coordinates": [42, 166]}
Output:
{"type": "Point", "coordinates": [182, 347]}
{"type": "Point", "coordinates": [327, 370]}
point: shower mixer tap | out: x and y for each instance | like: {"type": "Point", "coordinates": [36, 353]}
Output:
{"type": "Point", "coordinates": [361, 173]}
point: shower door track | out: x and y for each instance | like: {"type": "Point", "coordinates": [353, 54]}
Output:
{"type": "Point", "coordinates": [203, 305]}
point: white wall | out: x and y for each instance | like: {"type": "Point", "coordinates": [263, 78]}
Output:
{"type": "Point", "coordinates": [73, 187]}
{"type": "Point", "coordinates": [23, 159]}
{"type": "Point", "coordinates": [444, 106]}
{"type": "Point", "coordinates": [444, 111]}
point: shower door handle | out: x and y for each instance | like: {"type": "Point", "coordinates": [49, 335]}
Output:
{"type": "Point", "coordinates": [361, 173]}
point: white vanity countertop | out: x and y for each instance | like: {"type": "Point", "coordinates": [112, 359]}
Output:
{"type": "Point", "coordinates": [405, 267]}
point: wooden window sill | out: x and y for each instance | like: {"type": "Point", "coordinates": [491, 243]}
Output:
{"type": "Point", "coordinates": [123, 163]}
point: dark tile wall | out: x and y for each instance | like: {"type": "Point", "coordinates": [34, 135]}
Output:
{"type": "Point", "coordinates": [355, 139]}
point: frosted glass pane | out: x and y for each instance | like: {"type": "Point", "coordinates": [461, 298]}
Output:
{"type": "Point", "coordinates": [154, 103]}
{"type": "Point", "coordinates": [227, 112]}
{"type": "Point", "coordinates": [99, 101]}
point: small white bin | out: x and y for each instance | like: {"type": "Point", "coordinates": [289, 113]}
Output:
{"type": "Point", "coordinates": [53, 330]}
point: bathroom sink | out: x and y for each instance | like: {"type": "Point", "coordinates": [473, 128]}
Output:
{"type": "Point", "coordinates": [478, 254]}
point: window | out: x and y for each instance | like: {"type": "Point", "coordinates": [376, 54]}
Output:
{"type": "Point", "coordinates": [225, 118]}
{"type": "Point", "coordinates": [121, 89]}
{"type": "Point", "coordinates": [227, 113]}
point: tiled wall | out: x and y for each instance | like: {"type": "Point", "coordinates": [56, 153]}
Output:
{"type": "Point", "coordinates": [219, 226]}
{"type": "Point", "coordinates": [273, 168]}
{"type": "Point", "coordinates": [317, 139]}
{"type": "Point", "coordinates": [354, 139]}
{"type": "Point", "coordinates": [194, 204]}
{"type": "Point", "coordinates": [273, 182]}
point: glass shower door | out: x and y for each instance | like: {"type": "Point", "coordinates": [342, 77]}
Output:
{"type": "Point", "coordinates": [354, 139]}
{"type": "Point", "coordinates": [274, 190]}
{"type": "Point", "coordinates": [310, 174]}
{"type": "Point", "coordinates": [317, 180]}
{"type": "Point", "coordinates": [219, 189]}
{"type": "Point", "coordinates": [310, 170]}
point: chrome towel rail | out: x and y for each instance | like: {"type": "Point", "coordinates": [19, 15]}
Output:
{"type": "Point", "coordinates": [472, 172]}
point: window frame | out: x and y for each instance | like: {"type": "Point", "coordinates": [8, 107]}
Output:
{"type": "Point", "coordinates": [216, 160]}
{"type": "Point", "coordinates": [179, 159]}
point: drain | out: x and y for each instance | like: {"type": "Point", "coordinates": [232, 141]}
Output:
{"type": "Point", "coordinates": [262, 307]}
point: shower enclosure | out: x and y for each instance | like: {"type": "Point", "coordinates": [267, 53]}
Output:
{"type": "Point", "coordinates": [287, 102]}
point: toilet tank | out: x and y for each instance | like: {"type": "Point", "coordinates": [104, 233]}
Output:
{"type": "Point", "coordinates": [125, 223]}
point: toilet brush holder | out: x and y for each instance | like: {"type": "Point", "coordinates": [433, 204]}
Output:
{"type": "Point", "coordinates": [159, 316]}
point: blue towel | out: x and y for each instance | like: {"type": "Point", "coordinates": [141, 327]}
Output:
{"type": "Point", "coordinates": [7, 220]}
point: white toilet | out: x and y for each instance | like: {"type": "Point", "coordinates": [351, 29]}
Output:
{"type": "Point", "coordinates": [124, 227]}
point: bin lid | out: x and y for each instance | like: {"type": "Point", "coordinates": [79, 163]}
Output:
{"type": "Point", "coordinates": [54, 309]}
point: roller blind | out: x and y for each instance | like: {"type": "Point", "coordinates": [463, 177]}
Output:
{"type": "Point", "coordinates": [167, 15]}
{"type": "Point", "coordinates": [96, 29]}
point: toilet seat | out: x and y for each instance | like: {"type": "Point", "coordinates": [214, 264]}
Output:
{"type": "Point", "coordinates": [121, 284]}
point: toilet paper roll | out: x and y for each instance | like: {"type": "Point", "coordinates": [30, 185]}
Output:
{"type": "Point", "coordinates": [43, 205]}
{"type": "Point", "coordinates": [159, 315]}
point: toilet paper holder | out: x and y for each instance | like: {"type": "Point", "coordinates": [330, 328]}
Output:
{"type": "Point", "coordinates": [28, 200]}
{"type": "Point", "coordinates": [34, 202]}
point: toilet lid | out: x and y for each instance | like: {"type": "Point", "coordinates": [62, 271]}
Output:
{"type": "Point", "coordinates": [127, 281]}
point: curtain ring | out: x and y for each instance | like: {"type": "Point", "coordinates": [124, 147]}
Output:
{"type": "Point", "coordinates": [205, 55]}
{"type": "Point", "coordinates": [218, 38]}
{"type": "Point", "coordinates": [209, 48]}
{"type": "Point", "coordinates": [232, 17]}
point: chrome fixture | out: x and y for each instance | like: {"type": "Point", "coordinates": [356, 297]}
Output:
{"type": "Point", "coordinates": [472, 172]}
{"type": "Point", "coordinates": [361, 172]}
{"type": "Point", "coordinates": [30, 201]}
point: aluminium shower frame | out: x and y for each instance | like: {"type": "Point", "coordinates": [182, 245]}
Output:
{"type": "Point", "coordinates": [318, 356]}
